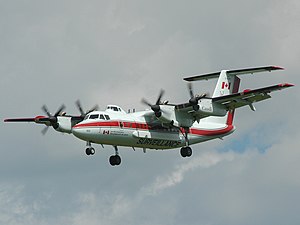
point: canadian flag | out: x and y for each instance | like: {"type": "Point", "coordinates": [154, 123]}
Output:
{"type": "Point", "coordinates": [106, 132]}
{"type": "Point", "coordinates": [225, 85]}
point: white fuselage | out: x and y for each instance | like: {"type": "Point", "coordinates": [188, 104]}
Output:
{"type": "Point", "coordinates": [118, 128]}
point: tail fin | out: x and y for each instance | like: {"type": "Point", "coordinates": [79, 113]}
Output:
{"type": "Point", "coordinates": [226, 85]}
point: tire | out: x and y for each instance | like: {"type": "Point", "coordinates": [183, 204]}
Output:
{"type": "Point", "coordinates": [92, 151]}
{"type": "Point", "coordinates": [183, 152]}
{"type": "Point", "coordinates": [112, 160]}
{"type": "Point", "coordinates": [118, 160]}
{"type": "Point", "coordinates": [115, 160]}
{"type": "Point", "coordinates": [88, 151]}
{"type": "Point", "coordinates": [189, 152]}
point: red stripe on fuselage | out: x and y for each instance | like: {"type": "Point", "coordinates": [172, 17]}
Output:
{"type": "Point", "coordinates": [211, 132]}
{"type": "Point", "coordinates": [144, 126]}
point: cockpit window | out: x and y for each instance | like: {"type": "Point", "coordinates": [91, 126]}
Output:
{"type": "Point", "coordinates": [107, 117]}
{"type": "Point", "coordinates": [94, 116]}
{"type": "Point", "coordinates": [87, 116]}
{"type": "Point", "coordinates": [102, 117]}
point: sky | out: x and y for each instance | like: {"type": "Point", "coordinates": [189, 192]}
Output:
{"type": "Point", "coordinates": [118, 52]}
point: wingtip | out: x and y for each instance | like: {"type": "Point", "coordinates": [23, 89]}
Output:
{"type": "Point", "coordinates": [277, 67]}
{"type": "Point", "coordinates": [286, 85]}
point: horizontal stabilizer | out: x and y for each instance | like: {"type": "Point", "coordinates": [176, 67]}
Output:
{"type": "Point", "coordinates": [233, 72]}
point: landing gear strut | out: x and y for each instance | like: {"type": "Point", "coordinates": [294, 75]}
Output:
{"type": "Point", "coordinates": [115, 160]}
{"type": "Point", "coordinates": [89, 149]}
{"type": "Point", "coordinates": [186, 151]}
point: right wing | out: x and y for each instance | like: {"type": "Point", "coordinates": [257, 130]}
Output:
{"type": "Point", "coordinates": [248, 97]}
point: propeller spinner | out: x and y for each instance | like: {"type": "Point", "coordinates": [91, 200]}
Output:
{"type": "Point", "coordinates": [155, 108]}
{"type": "Point", "coordinates": [51, 119]}
{"type": "Point", "coordinates": [195, 98]}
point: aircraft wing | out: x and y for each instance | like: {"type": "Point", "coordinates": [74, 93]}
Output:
{"type": "Point", "coordinates": [248, 97]}
{"type": "Point", "coordinates": [20, 120]}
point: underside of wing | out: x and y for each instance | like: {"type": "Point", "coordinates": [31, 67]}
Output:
{"type": "Point", "coordinates": [248, 97]}
{"type": "Point", "coordinates": [20, 120]}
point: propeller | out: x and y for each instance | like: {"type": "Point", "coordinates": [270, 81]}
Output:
{"type": "Point", "coordinates": [195, 98]}
{"type": "Point", "coordinates": [155, 108]}
{"type": "Point", "coordinates": [82, 113]}
{"type": "Point", "coordinates": [52, 119]}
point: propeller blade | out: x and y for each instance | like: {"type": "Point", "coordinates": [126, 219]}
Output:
{"type": "Point", "coordinates": [190, 90]}
{"type": "Point", "coordinates": [95, 108]}
{"type": "Point", "coordinates": [45, 109]}
{"type": "Point", "coordinates": [144, 101]}
{"type": "Point", "coordinates": [78, 104]}
{"type": "Point", "coordinates": [44, 131]}
{"type": "Point", "coordinates": [160, 96]}
{"type": "Point", "coordinates": [59, 110]}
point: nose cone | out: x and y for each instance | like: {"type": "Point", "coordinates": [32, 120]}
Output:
{"type": "Point", "coordinates": [79, 131]}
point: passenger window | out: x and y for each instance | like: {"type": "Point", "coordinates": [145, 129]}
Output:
{"type": "Point", "coordinates": [94, 116]}
{"type": "Point", "coordinates": [102, 117]}
{"type": "Point", "coordinates": [107, 117]}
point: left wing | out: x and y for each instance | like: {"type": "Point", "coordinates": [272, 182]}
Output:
{"type": "Point", "coordinates": [248, 97]}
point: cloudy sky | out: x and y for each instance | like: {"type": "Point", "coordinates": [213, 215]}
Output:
{"type": "Point", "coordinates": [54, 52]}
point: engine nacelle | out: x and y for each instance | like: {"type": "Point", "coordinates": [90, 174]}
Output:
{"type": "Point", "coordinates": [65, 125]}
{"type": "Point", "coordinates": [207, 107]}
{"type": "Point", "coordinates": [175, 118]}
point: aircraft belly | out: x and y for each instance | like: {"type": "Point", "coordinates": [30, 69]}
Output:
{"type": "Point", "coordinates": [132, 138]}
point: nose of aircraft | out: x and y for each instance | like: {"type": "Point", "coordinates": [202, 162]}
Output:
{"type": "Point", "coordinates": [78, 131]}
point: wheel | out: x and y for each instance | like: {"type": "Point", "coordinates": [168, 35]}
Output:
{"type": "Point", "coordinates": [92, 151]}
{"type": "Point", "coordinates": [186, 151]}
{"type": "Point", "coordinates": [183, 152]}
{"type": "Point", "coordinates": [115, 160]}
{"type": "Point", "coordinates": [118, 160]}
{"type": "Point", "coordinates": [112, 160]}
{"type": "Point", "coordinates": [189, 152]}
{"type": "Point", "coordinates": [88, 151]}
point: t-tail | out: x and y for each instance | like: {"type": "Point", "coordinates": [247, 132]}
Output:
{"type": "Point", "coordinates": [228, 84]}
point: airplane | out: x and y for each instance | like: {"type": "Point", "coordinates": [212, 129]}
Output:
{"type": "Point", "coordinates": [164, 125]}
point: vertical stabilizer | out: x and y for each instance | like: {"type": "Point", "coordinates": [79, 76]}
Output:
{"type": "Point", "coordinates": [226, 85]}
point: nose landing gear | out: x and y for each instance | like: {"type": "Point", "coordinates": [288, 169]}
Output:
{"type": "Point", "coordinates": [89, 149]}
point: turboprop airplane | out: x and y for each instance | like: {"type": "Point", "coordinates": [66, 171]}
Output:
{"type": "Point", "coordinates": [164, 125]}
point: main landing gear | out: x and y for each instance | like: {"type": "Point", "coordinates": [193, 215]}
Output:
{"type": "Point", "coordinates": [186, 151]}
{"type": "Point", "coordinates": [115, 160]}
